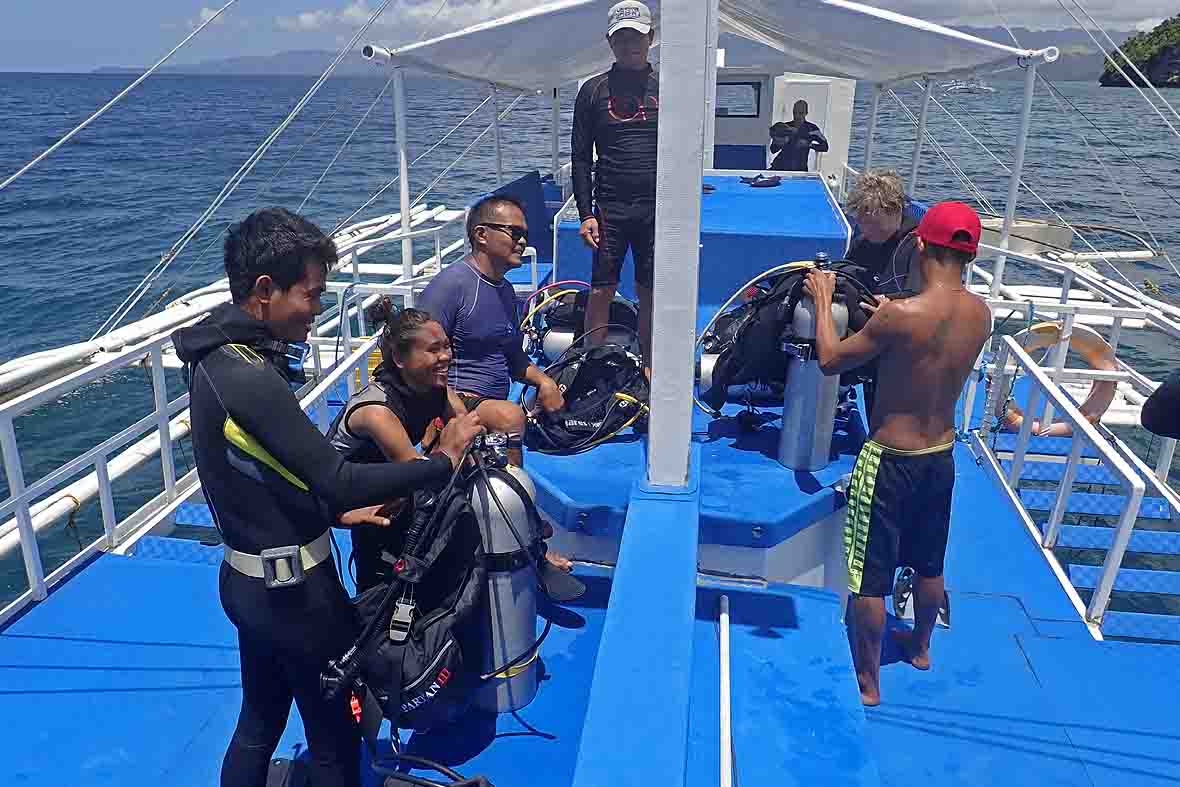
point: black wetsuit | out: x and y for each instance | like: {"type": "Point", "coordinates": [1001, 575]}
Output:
{"type": "Point", "coordinates": [271, 480]}
{"type": "Point", "coordinates": [416, 411]}
{"type": "Point", "coordinates": [892, 271]}
{"type": "Point", "coordinates": [801, 140]}
{"type": "Point", "coordinates": [616, 114]}
{"type": "Point", "coordinates": [1161, 411]}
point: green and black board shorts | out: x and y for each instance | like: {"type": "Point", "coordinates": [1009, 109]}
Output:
{"type": "Point", "coordinates": [899, 514]}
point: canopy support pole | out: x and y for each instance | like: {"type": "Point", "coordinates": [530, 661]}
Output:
{"type": "Point", "coordinates": [872, 133]}
{"type": "Point", "coordinates": [496, 136]}
{"type": "Point", "coordinates": [403, 170]}
{"type": "Point", "coordinates": [711, 33]}
{"type": "Point", "coordinates": [683, 69]}
{"type": "Point", "coordinates": [1030, 84]}
{"type": "Point", "coordinates": [916, 163]}
{"type": "Point", "coordinates": [554, 134]}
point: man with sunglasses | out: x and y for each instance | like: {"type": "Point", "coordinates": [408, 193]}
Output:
{"type": "Point", "coordinates": [476, 307]}
{"type": "Point", "coordinates": [615, 116]}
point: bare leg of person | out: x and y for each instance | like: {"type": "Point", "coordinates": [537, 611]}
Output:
{"type": "Point", "coordinates": [865, 632]}
{"type": "Point", "coordinates": [598, 313]}
{"type": "Point", "coordinates": [928, 595]}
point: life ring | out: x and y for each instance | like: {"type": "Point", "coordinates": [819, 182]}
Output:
{"type": "Point", "coordinates": [1097, 353]}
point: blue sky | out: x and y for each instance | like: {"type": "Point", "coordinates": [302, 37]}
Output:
{"type": "Point", "coordinates": [79, 35]}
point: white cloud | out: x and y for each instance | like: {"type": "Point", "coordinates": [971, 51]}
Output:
{"type": "Point", "coordinates": [1036, 14]}
{"type": "Point", "coordinates": [1147, 24]}
{"type": "Point", "coordinates": [406, 20]}
{"type": "Point", "coordinates": [308, 21]}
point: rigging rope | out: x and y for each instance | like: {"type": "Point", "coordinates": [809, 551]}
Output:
{"type": "Point", "coordinates": [390, 184]}
{"type": "Point", "coordinates": [1040, 199]}
{"type": "Point", "coordinates": [1134, 67]}
{"type": "Point", "coordinates": [1122, 72]}
{"type": "Point", "coordinates": [467, 149]}
{"type": "Point", "coordinates": [1113, 144]}
{"type": "Point", "coordinates": [1158, 247]}
{"type": "Point", "coordinates": [102, 110]}
{"type": "Point", "coordinates": [954, 167]}
{"type": "Point", "coordinates": [235, 180]}
{"type": "Point", "coordinates": [347, 140]}
{"type": "Point", "coordinates": [264, 188]}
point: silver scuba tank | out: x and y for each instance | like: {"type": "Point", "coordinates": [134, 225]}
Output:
{"type": "Point", "coordinates": [510, 633]}
{"type": "Point", "coordinates": [555, 341]}
{"type": "Point", "coordinates": [809, 396]}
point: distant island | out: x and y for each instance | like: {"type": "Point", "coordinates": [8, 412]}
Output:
{"type": "Point", "coordinates": [308, 62]}
{"type": "Point", "coordinates": [1156, 54]}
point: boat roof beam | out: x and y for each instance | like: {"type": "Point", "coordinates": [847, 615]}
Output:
{"type": "Point", "coordinates": [916, 162]}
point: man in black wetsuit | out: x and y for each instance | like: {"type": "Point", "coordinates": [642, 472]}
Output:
{"type": "Point", "coordinates": [615, 115]}
{"type": "Point", "coordinates": [794, 141]}
{"type": "Point", "coordinates": [275, 486]}
{"type": "Point", "coordinates": [884, 242]}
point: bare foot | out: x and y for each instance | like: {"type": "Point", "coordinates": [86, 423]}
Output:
{"type": "Point", "coordinates": [870, 695]}
{"type": "Point", "coordinates": [560, 561]}
{"type": "Point", "coordinates": [919, 659]}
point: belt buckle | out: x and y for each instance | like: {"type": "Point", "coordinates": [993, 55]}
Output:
{"type": "Point", "coordinates": [293, 560]}
{"type": "Point", "coordinates": [399, 624]}
{"type": "Point", "coordinates": [798, 350]}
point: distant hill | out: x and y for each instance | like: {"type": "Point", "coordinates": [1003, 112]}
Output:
{"type": "Point", "coordinates": [1155, 53]}
{"type": "Point", "coordinates": [1080, 59]}
{"type": "Point", "coordinates": [308, 62]}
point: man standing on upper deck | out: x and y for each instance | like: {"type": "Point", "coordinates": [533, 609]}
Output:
{"type": "Point", "coordinates": [794, 141]}
{"type": "Point", "coordinates": [899, 498]}
{"type": "Point", "coordinates": [615, 115]}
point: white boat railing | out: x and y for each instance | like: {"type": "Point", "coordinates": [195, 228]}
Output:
{"type": "Point", "coordinates": [167, 423]}
{"type": "Point", "coordinates": [1131, 473]}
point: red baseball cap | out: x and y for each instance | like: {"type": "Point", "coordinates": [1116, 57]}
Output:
{"type": "Point", "coordinates": [945, 220]}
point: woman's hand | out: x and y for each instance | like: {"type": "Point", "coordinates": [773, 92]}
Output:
{"type": "Point", "coordinates": [369, 515]}
{"type": "Point", "coordinates": [458, 434]}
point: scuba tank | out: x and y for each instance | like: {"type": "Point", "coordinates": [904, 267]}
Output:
{"type": "Point", "coordinates": [508, 522]}
{"type": "Point", "coordinates": [555, 326]}
{"type": "Point", "coordinates": [809, 396]}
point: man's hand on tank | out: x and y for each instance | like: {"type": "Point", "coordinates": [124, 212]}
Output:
{"type": "Point", "coordinates": [549, 396]}
{"type": "Point", "coordinates": [458, 434]}
{"type": "Point", "coordinates": [369, 515]}
{"type": "Point", "coordinates": [589, 232]}
{"type": "Point", "coordinates": [872, 307]}
{"type": "Point", "coordinates": [820, 285]}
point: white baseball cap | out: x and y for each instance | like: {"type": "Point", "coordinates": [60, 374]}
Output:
{"type": "Point", "coordinates": [628, 13]}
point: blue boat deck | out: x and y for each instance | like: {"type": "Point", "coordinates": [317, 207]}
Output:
{"type": "Point", "coordinates": [128, 674]}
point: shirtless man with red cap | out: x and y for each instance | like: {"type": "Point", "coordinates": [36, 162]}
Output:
{"type": "Point", "coordinates": [899, 500]}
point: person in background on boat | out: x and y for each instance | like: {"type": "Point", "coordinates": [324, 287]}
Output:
{"type": "Point", "coordinates": [899, 498]}
{"type": "Point", "coordinates": [884, 244]}
{"type": "Point", "coordinates": [275, 486]}
{"type": "Point", "coordinates": [615, 115]}
{"type": "Point", "coordinates": [793, 141]}
{"type": "Point", "coordinates": [1161, 411]}
{"type": "Point", "coordinates": [404, 405]}
{"type": "Point", "coordinates": [476, 306]}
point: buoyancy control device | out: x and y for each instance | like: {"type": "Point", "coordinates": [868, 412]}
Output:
{"type": "Point", "coordinates": [605, 391]}
{"type": "Point", "coordinates": [750, 345]}
{"type": "Point", "coordinates": [554, 326]}
{"type": "Point", "coordinates": [416, 660]}
{"type": "Point", "coordinates": [457, 623]}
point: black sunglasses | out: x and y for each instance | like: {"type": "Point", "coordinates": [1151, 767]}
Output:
{"type": "Point", "coordinates": [516, 232]}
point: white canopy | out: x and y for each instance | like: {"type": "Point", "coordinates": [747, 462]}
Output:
{"type": "Point", "coordinates": [563, 40]}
